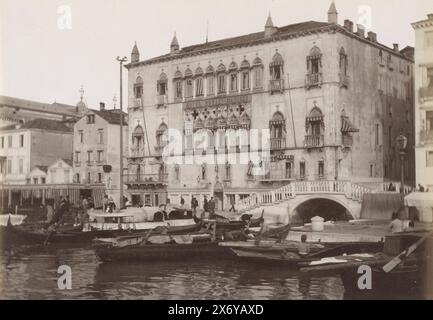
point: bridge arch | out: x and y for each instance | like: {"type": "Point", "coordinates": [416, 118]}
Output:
{"type": "Point", "coordinates": [304, 207]}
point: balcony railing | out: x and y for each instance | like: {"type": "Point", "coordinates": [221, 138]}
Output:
{"type": "Point", "coordinates": [161, 100]}
{"type": "Point", "coordinates": [347, 140]}
{"type": "Point", "coordinates": [426, 136]}
{"type": "Point", "coordinates": [314, 141]}
{"type": "Point", "coordinates": [313, 80]}
{"type": "Point", "coordinates": [278, 143]}
{"type": "Point", "coordinates": [344, 80]}
{"type": "Point", "coordinates": [276, 85]}
{"type": "Point", "coordinates": [136, 152]}
{"type": "Point", "coordinates": [150, 178]}
{"type": "Point", "coordinates": [426, 93]}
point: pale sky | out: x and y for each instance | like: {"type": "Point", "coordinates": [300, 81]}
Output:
{"type": "Point", "coordinates": [45, 56]}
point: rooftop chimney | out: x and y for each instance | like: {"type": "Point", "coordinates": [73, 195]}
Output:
{"type": "Point", "coordinates": [396, 47]}
{"type": "Point", "coordinates": [430, 16]}
{"type": "Point", "coordinates": [360, 30]}
{"type": "Point", "coordinates": [372, 36]}
{"type": "Point", "coordinates": [101, 106]}
{"type": "Point", "coordinates": [348, 25]}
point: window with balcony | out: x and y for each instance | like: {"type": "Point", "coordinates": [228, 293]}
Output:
{"type": "Point", "coordinates": [315, 128]}
{"type": "Point", "coordinates": [138, 88]}
{"type": "Point", "coordinates": [278, 131]}
{"type": "Point", "coordinates": [314, 68]}
{"type": "Point", "coordinates": [257, 73]}
{"type": "Point", "coordinates": [137, 146]}
{"type": "Point", "coordinates": [276, 69]}
{"type": "Point", "coordinates": [347, 129]}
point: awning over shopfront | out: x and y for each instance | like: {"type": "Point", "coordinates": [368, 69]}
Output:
{"type": "Point", "coordinates": [423, 201]}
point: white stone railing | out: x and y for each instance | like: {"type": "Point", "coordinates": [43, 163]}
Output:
{"type": "Point", "coordinates": [350, 190]}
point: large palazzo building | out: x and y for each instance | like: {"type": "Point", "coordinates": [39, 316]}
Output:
{"type": "Point", "coordinates": [331, 99]}
{"type": "Point", "coordinates": [424, 101]}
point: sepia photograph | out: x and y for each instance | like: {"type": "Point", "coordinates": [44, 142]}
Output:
{"type": "Point", "coordinates": [216, 150]}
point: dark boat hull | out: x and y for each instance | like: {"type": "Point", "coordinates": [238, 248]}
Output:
{"type": "Point", "coordinates": [275, 256]}
{"type": "Point", "coordinates": [152, 252]}
{"type": "Point", "coordinates": [16, 235]}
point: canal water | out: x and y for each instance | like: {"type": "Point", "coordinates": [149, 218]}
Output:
{"type": "Point", "coordinates": [31, 273]}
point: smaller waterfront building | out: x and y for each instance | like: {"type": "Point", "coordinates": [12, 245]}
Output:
{"type": "Point", "coordinates": [96, 149]}
{"type": "Point", "coordinates": [60, 172]}
{"type": "Point", "coordinates": [37, 142]}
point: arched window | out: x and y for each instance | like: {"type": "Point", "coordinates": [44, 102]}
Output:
{"type": "Point", "coordinates": [138, 87]}
{"type": "Point", "coordinates": [315, 128]}
{"type": "Point", "coordinates": [233, 71]}
{"type": "Point", "coordinates": [258, 73]}
{"type": "Point", "coordinates": [278, 131]}
{"type": "Point", "coordinates": [276, 67]}
{"type": "Point", "coordinates": [314, 68]}
{"type": "Point", "coordinates": [199, 82]}
{"type": "Point", "coordinates": [343, 62]}
{"type": "Point", "coordinates": [245, 75]}
{"type": "Point", "coordinates": [161, 135]}
{"type": "Point", "coordinates": [178, 85]}
{"type": "Point", "coordinates": [189, 83]}
{"type": "Point", "coordinates": [210, 76]}
{"type": "Point", "coordinates": [221, 76]}
{"type": "Point", "coordinates": [162, 84]}
{"type": "Point", "coordinates": [138, 138]}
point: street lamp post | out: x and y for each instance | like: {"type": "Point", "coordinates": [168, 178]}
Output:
{"type": "Point", "coordinates": [401, 144]}
{"type": "Point", "coordinates": [121, 61]}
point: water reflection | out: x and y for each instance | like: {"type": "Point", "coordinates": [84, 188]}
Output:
{"type": "Point", "coordinates": [31, 273]}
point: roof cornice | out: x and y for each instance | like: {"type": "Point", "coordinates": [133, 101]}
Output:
{"type": "Point", "coordinates": [274, 38]}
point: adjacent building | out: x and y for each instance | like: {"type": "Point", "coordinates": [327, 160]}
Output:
{"type": "Point", "coordinates": [58, 173]}
{"type": "Point", "coordinates": [424, 101]}
{"type": "Point", "coordinates": [327, 102]}
{"type": "Point", "coordinates": [37, 142]}
{"type": "Point", "coordinates": [96, 150]}
{"type": "Point", "coordinates": [15, 110]}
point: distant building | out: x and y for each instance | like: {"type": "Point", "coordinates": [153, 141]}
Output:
{"type": "Point", "coordinates": [334, 99]}
{"type": "Point", "coordinates": [97, 144]}
{"type": "Point", "coordinates": [424, 101]}
{"type": "Point", "coordinates": [60, 172]}
{"type": "Point", "coordinates": [15, 110]}
{"type": "Point", "coordinates": [37, 142]}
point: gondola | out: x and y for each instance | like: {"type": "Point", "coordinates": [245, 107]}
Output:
{"type": "Point", "coordinates": [287, 253]}
{"type": "Point", "coordinates": [224, 224]}
{"type": "Point", "coordinates": [402, 276]}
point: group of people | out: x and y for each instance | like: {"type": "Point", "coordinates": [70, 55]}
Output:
{"type": "Point", "coordinates": [57, 210]}
{"type": "Point", "coordinates": [399, 225]}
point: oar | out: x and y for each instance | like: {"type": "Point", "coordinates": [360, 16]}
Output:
{"type": "Point", "coordinates": [406, 253]}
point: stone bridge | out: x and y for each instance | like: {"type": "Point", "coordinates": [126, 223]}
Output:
{"type": "Point", "coordinates": [282, 204]}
